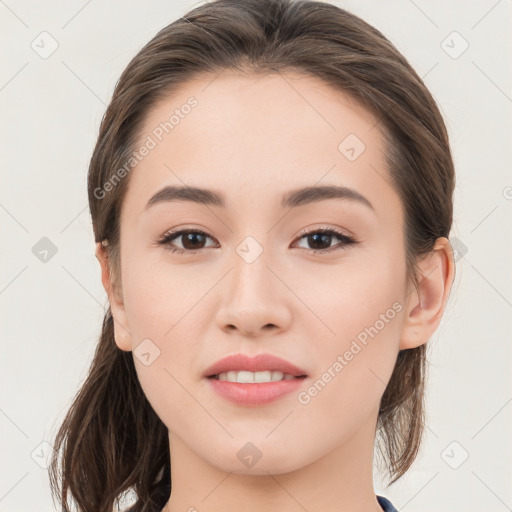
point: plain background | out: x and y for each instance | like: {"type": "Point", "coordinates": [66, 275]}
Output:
{"type": "Point", "coordinates": [52, 310]}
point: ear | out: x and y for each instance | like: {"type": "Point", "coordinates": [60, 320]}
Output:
{"type": "Point", "coordinates": [425, 306]}
{"type": "Point", "coordinates": [121, 333]}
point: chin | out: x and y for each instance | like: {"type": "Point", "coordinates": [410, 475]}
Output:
{"type": "Point", "coordinates": [249, 460]}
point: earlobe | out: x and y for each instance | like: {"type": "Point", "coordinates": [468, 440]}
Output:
{"type": "Point", "coordinates": [122, 334]}
{"type": "Point", "coordinates": [426, 305]}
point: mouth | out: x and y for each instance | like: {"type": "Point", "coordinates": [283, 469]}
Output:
{"type": "Point", "coordinates": [254, 389]}
{"type": "Point", "coordinates": [254, 381]}
{"type": "Point", "coordinates": [247, 377]}
{"type": "Point", "coordinates": [253, 370]}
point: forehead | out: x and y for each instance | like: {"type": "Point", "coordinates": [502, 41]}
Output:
{"type": "Point", "coordinates": [226, 101]}
{"type": "Point", "coordinates": [253, 135]}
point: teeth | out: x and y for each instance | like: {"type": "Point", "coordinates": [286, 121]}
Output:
{"type": "Point", "coordinates": [245, 377]}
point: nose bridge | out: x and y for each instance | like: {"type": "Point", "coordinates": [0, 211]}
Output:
{"type": "Point", "coordinates": [251, 276]}
{"type": "Point", "coordinates": [253, 298]}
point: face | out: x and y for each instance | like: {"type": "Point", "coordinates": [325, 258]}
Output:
{"type": "Point", "coordinates": [251, 282]}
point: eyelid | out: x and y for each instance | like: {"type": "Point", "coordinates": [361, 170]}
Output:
{"type": "Point", "coordinates": [325, 227]}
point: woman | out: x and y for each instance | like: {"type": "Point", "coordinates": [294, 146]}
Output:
{"type": "Point", "coordinates": [271, 196]}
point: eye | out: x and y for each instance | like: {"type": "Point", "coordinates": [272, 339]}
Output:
{"type": "Point", "coordinates": [193, 240]}
{"type": "Point", "coordinates": [319, 238]}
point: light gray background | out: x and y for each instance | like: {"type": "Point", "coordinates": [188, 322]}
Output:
{"type": "Point", "coordinates": [52, 311]}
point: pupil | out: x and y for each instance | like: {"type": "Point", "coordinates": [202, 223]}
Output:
{"type": "Point", "coordinates": [325, 237]}
{"type": "Point", "coordinates": [189, 237]}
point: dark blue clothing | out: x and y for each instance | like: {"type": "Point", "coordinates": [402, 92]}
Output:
{"type": "Point", "coordinates": [386, 505]}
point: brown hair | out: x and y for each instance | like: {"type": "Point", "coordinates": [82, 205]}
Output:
{"type": "Point", "coordinates": [111, 440]}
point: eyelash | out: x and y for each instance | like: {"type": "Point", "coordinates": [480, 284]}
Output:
{"type": "Point", "coordinates": [346, 241]}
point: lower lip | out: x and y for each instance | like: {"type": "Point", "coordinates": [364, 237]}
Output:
{"type": "Point", "coordinates": [255, 394]}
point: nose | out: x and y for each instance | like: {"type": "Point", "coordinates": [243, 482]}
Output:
{"type": "Point", "coordinates": [254, 300]}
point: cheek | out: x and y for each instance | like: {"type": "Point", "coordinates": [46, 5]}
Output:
{"type": "Point", "coordinates": [159, 297]}
{"type": "Point", "coordinates": [161, 305]}
{"type": "Point", "coordinates": [354, 367]}
{"type": "Point", "coordinates": [361, 308]}
{"type": "Point", "coordinates": [351, 296]}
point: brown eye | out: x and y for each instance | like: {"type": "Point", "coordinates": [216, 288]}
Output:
{"type": "Point", "coordinates": [321, 239]}
{"type": "Point", "coordinates": [191, 240]}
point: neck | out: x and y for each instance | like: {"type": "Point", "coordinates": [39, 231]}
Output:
{"type": "Point", "coordinates": [338, 481]}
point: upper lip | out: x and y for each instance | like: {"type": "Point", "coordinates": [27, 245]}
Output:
{"type": "Point", "coordinates": [260, 363]}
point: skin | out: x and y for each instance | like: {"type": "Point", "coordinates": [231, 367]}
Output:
{"type": "Point", "coordinates": [254, 138]}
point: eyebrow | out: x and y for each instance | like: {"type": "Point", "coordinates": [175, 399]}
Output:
{"type": "Point", "coordinates": [291, 199]}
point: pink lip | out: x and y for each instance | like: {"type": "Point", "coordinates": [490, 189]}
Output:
{"type": "Point", "coordinates": [255, 394]}
{"type": "Point", "coordinates": [260, 363]}
{"type": "Point", "coordinates": [258, 393]}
